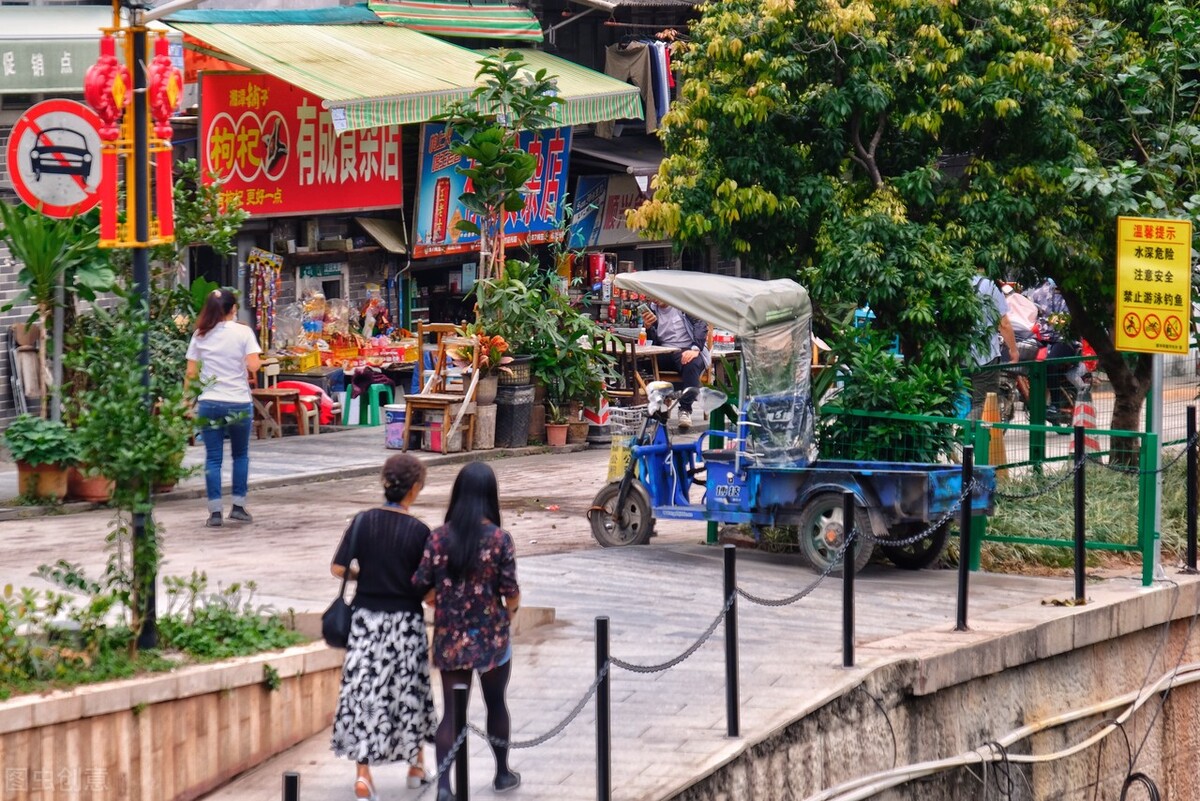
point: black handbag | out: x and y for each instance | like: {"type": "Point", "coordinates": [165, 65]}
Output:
{"type": "Point", "coordinates": [335, 623]}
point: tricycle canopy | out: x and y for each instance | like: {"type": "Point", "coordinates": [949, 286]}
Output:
{"type": "Point", "coordinates": [742, 306]}
{"type": "Point", "coordinates": [773, 323]}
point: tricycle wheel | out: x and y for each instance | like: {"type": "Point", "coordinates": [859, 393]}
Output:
{"type": "Point", "coordinates": [637, 522]}
{"type": "Point", "coordinates": [921, 553]}
{"type": "Point", "coordinates": [820, 532]}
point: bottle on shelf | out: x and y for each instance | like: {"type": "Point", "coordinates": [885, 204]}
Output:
{"type": "Point", "coordinates": [606, 288]}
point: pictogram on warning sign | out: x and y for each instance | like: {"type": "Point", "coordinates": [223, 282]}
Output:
{"type": "Point", "coordinates": [54, 158]}
{"type": "Point", "coordinates": [1151, 326]}
{"type": "Point", "coordinates": [1132, 324]}
{"type": "Point", "coordinates": [1173, 328]}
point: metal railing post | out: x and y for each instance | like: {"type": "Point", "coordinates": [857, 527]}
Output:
{"type": "Point", "coordinates": [1080, 511]}
{"type": "Point", "coordinates": [733, 723]}
{"type": "Point", "coordinates": [1191, 489]}
{"type": "Point", "coordinates": [1037, 414]}
{"type": "Point", "coordinates": [1147, 484]}
{"type": "Point", "coordinates": [848, 561]}
{"type": "Point", "coordinates": [964, 537]}
{"type": "Point", "coordinates": [462, 776]}
{"type": "Point", "coordinates": [603, 722]}
{"type": "Point", "coordinates": [291, 786]}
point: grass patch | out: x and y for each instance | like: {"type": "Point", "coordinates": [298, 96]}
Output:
{"type": "Point", "coordinates": [1111, 515]}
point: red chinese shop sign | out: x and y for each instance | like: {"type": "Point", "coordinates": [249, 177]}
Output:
{"type": "Point", "coordinates": [275, 149]}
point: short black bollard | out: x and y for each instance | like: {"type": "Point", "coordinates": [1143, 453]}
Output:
{"type": "Point", "coordinates": [964, 537]}
{"type": "Point", "coordinates": [291, 786]}
{"type": "Point", "coordinates": [603, 721]}
{"type": "Point", "coordinates": [848, 559]}
{"type": "Point", "coordinates": [462, 776]}
{"type": "Point", "coordinates": [1191, 489]}
{"type": "Point", "coordinates": [732, 722]}
{"type": "Point", "coordinates": [1080, 511]}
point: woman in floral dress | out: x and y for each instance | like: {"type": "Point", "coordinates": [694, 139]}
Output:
{"type": "Point", "coordinates": [385, 709]}
{"type": "Point", "coordinates": [470, 563]}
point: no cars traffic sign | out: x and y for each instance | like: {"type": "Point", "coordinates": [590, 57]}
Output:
{"type": "Point", "coordinates": [54, 158]}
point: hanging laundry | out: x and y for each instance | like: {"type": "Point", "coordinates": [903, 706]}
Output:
{"type": "Point", "coordinates": [662, 86]}
{"type": "Point", "coordinates": [633, 63]}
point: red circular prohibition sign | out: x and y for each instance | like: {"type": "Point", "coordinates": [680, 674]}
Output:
{"type": "Point", "coordinates": [58, 142]}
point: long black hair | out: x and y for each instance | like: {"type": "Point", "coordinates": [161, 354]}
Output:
{"type": "Point", "coordinates": [474, 499]}
{"type": "Point", "coordinates": [217, 306]}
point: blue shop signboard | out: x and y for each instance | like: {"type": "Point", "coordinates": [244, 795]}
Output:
{"type": "Point", "coordinates": [440, 184]}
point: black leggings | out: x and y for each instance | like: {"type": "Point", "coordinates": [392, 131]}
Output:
{"type": "Point", "coordinates": [493, 683]}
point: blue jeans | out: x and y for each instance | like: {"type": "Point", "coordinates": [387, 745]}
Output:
{"type": "Point", "coordinates": [218, 419]}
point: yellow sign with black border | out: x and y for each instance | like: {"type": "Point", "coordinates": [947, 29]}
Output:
{"type": "Point", "coordinates": [1154, 285]}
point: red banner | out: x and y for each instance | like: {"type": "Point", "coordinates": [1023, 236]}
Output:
{"type": "Point", "coordinates": [275, 149]}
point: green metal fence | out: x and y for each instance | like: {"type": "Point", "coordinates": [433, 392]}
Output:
{"type": "Point", "coordinates": [1039, 468]}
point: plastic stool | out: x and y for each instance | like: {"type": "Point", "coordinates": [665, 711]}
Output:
{"type": "Point", "coordinates": [371, 413]}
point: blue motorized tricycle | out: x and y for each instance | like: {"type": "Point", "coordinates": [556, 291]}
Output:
{"type": "Point", "coordinates": [764, 472]}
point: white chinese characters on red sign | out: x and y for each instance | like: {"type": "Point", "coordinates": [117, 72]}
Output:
{"type": "Point", "coordinates": [276, 151]}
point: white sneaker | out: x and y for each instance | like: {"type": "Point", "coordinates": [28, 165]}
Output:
{"type": "Point", "coordinates": [685, 421]}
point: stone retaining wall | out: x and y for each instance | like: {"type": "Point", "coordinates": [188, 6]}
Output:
{"type": "Point", "coordinates": [168, 737]}
{"type": "Point", "coordinates": [918, 710]}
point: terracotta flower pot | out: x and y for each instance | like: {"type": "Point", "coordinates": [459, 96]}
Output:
{"type": "Point", "coordinates": [46, 481]}
{"type": "Point", "coordinates": [577, 431]}
{"type": "Point", "coordinates": [556, 434]}
{"type": "Point", "coordinates": [90, 488]}
{"type": "Point", "coordinates": [485, 390]}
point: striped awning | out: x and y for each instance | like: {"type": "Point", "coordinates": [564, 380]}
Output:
{"type": "Point", "coordinates": [589, 96]}
{"type": "Point", "coordinates": [462, 20]}
{"type": "Point", "coordinates": [370, 75]}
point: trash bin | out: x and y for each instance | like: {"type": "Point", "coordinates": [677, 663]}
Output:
{"type": "Point", "coordinates": [514, 409]}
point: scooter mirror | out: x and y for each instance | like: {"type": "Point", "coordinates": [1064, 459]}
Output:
{"type": "Point", "coordinates": [710, 399]}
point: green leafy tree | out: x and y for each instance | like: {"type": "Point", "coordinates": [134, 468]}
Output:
{"type": "Point", "coordinates": [878, 152]}
{"type": "Point", "coordinates": [53, 252]}
{"type": "Point", "coordinates": [1139, 85]}
{"type": "Point", "coordinates": [487, 125]}
{"type": "Point", "coordinates": [136, 445]}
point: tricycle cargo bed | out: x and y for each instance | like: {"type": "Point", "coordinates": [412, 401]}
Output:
{"type": "Point", "coordinates": [901, 491]}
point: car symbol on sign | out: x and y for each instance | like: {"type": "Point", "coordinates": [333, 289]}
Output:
{"type": "Point", "coordinates": [60, 158]}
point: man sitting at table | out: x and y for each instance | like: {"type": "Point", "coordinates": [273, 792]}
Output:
{"type": "Point", "coordinates": [666, 325]}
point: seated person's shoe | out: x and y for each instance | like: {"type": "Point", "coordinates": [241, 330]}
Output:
{"type": "Point", "coordinates": [685, 421]}
{"type": "Point", "coordinates": [506, 781]}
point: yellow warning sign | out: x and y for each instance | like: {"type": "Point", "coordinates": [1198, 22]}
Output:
{"type": "Point", "coordinates": [1154, 285]}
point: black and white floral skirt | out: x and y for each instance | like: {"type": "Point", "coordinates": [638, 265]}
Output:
{"type": "Point", "coordinates": [385, 708]}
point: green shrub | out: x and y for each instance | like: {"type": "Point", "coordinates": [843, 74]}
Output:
{"type": "Point", "coordinates": [35, 441]}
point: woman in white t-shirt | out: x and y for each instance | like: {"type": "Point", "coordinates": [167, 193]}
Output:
{"type": "Point", "coordinates": [222, 355]}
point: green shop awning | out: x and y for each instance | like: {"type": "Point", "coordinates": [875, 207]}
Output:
{"type": "Point", "coordinates": [370, 75]}
{"type": "Point", "coordinates": [50, 49]}
{"type": "Point", "coordinates": [462, 20]}
{"type": "Point", "coordinates": [589, 96]}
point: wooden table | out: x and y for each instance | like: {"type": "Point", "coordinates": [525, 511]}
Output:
{"type": "Point", "coordinates": [268, 411]}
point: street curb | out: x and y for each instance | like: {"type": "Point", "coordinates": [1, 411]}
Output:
{"type": "Point", "coordinates": [354, 471]}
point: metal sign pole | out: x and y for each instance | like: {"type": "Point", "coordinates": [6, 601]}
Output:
{"type": "Point", "coordinates": [1156, 427]}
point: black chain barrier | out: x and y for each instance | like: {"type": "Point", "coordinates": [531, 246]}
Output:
{"type": "Point", "coordinates": [632, 668]}
{"type": "Point", "coordinates": [1135, 471]}
{"type": "Point", "coordinates": [445, 764]}
{"type": "Point", "coordinates": [913, 539]}
{"type": "Point", "coordinates": [558, 729]}
{"type": "Point", "coordinates": [1053, 485]}
{"type": "Point", "coordinates": [804, 593]}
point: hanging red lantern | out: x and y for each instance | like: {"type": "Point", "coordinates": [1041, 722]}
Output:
{"type": "Point", "coordinates": [106, 89]}
{"type": "Point", "coordinates": [164, 89]}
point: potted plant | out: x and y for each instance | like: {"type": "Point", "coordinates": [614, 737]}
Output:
{"type": "Point", "coordinates": [493, 362]}
{"type": "Point", "coordinates": [44, 451]}
{"type": "Point", "coordinates": [556, 424]}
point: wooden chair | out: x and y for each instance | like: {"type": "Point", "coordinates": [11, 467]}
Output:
{"type": "Point", "coordinates": [630, 389]}
{"type": "Point", "coordinates": [442, 392]}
